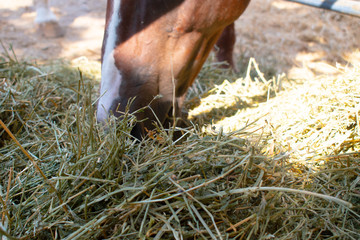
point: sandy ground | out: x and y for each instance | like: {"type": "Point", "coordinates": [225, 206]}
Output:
{"type": "Point", "coordinates": [83, 21]}
{"type": "Point", "coordinates": [294, 38]}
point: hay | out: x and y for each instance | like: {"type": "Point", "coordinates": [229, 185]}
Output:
{"type": "Point", "coordinates": [67, 178]}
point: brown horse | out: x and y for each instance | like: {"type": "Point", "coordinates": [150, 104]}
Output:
{"type": "Point", "coordinates": [156, 48]}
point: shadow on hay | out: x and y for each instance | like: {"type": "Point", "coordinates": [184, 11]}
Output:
{"type": "Point", "coordinates": [36, 95]}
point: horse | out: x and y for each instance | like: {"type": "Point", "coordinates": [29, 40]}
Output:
{"type": "Point", "coordinates": [153, 50]}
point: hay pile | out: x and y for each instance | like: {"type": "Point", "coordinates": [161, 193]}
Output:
{"type": "Point", "coordinates": [64, 177]}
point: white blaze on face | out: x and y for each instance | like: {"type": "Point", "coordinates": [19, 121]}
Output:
{"type": "Point", "coordinates": [110, 75]}
{"type": "Point", "coordinates": [43, 12]}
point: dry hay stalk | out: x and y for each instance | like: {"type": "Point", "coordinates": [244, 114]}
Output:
{"type": "Point", "coordinates": [206, 185]}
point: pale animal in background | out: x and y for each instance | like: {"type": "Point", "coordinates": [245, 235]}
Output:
{"type": "Point", "coordinates": [47, 22]}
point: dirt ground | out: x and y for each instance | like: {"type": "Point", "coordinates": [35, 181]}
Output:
{"type": "Point", "coordinates": [290, 37]}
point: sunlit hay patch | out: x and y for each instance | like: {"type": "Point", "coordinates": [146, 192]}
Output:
{"type": "Point", "coordinates": [92, 68]}
{"type": "Point", "coordinates": [223, 100]}
{"type": "Point", "coordinates": [63, 176]}
{"type": "Point", "coordinates": [317, 118]}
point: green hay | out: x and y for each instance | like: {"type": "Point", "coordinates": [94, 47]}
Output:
{"type": "Point", "coordinates": [102, 184]}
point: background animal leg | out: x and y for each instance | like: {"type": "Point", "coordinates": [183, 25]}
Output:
{"type": "Point", "coordinates": [225, 46]}
{"type": "Point", "coordinates": [47, 23]}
